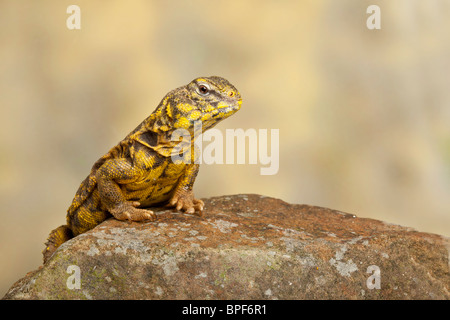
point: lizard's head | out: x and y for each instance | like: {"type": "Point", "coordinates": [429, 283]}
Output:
{"type": "Point", "coordinates": [207, 99]}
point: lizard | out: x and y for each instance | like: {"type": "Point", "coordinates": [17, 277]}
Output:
{"type": "Point", "coordinates": [139, 172]}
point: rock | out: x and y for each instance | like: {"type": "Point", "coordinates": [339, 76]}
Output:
{"type": "Point", "coordinates": [245, 247]}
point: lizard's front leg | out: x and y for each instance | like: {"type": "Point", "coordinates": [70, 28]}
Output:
{"type": "Point", "coordinates": [112, 173]}
{"type": "Point", "coordinates": [183, 196]}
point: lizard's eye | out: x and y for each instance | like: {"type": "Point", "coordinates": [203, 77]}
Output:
{"type": "Point", "coordinates": [203, 89]}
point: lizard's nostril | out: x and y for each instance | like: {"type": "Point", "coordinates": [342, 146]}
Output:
{"type": "Point", "coordinates": [231, 94]}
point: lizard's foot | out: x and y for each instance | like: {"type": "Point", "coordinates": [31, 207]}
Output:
{"type": "Point", "coordinates": [128, 211]}
{"type": "Point", "coordinates": [184, 200]}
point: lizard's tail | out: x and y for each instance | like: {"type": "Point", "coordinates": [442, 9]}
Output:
{"type": "Point", "coordinates": [56, 238]}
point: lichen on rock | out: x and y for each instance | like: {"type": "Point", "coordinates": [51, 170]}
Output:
{"type": "Point", "coordinates": [257, 248]}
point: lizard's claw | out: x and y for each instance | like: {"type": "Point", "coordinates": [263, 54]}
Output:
{"type": "Point", "coordinates": [128, 211]}
{"type": "Point", "coordinates": [185, 201]}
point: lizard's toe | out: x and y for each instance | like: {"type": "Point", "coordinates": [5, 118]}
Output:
{"type": "Point", "coordinates": [173, 201]}
{"type": "Point", "coordinates": [130, 213]}
{"type": "Point", "coordinates": [122, 216]}
{"type": "Point", "coordinates": [185, 201]}
{"type": "Point", "coordinates": [135, 204]}
{"type": "Point", "coordinates": [189, 206]}
{"type": "Point", "coordinates": [179, 205]}
{"type": "Point", "coordinates": [190, 210]}
{"type": "Point", "coordinates": [198, 205]}
{"type": "Point", "coordinates": [142, 214]}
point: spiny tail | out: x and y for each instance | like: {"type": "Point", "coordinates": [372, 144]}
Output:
{"type": "Point", "coordinates": [56, 238]}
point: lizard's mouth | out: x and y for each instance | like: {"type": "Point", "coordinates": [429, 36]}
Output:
{"type": "Point", "coordinates": [213, 115]}
{"type": "Point", "coordinates": [226, 111]}
{"type": "Point", "coordinates": [216, 115]}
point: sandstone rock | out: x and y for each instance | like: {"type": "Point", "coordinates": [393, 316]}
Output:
{"type": "Point", "coordinates": [245, 247]}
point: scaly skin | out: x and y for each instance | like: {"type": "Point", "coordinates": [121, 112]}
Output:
{"type": "Point", "coordinates": [139, 172]}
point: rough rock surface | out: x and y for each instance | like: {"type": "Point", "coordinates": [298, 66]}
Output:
{"type": "Point", "coordinates": [245, 247]}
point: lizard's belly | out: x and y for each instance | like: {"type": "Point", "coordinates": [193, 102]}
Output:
{"type": "Point", "coordinates": [155, 185]}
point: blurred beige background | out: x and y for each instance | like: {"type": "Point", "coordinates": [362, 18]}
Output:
{"type": "Point", "coordinates": [364, 116]}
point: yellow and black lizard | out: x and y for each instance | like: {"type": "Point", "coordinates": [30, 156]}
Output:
{"type": "Point", "coordinates": [139, 172]}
